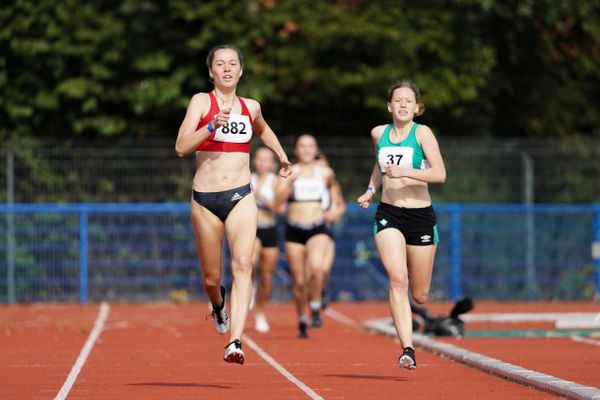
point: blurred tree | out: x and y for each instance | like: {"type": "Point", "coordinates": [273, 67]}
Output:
{"type": "Point", "coordinates": [546, 75]}
{"type": "Point", "coordinates": [129, 67]}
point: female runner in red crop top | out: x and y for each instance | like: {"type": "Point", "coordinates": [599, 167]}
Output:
{"type": "Point", "coordinates": [218, 127]}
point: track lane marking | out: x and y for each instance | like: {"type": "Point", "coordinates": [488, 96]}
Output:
{"type": "Point", "coordinates": [585, 340]}
{"type": "Point", "coordinates": [271, 361]}
{"type": "Point", "coordinates": [85, 351]}
{"type": "Point", "coordinates": [338, 316]}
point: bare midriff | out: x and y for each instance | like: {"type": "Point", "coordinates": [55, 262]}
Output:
{"type": "Point", "coordinates": [218, 171]}
{"type": "Point", "coordinates": [405, 192]}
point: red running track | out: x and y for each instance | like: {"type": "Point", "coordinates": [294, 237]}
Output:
{"type": "Point", "coordinates": [168, 351]}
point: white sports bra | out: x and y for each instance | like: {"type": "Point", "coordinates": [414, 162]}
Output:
{"type": "Point", "coordinates": [266, 191]}
{"type": "Point", "coordinates": [308, 189]}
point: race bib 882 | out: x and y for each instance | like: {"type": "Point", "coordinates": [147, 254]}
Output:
{"type": "Point", "coordinates": [237, 130]}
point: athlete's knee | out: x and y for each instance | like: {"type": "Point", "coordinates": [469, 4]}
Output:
{"type": "Point", "coordinates": [211, 279]}
{"type": "Point", "coordinates": [211, 284]}
{"type": "Point", "coordinates": [399, 282]}
{"type": "Point", "coordinates": [298, 284]}
{"type": "Point", "coordinates": [420, 296]}
{"type": "Point", "coordinates": [316, 266]}
{"type": "Point", "coordinates": [241, 265]}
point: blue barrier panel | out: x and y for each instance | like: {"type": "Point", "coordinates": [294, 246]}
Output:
{"type": "Point", "coordinates": [596, 251]}
{"type": "Point", "coordinates": [70, 252]}
{"type": "Point", "coordinates": [83, 255]}
{"type": "Point", "coordinates": [455, 252]}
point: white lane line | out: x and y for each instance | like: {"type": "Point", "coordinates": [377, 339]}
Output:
{"type": "Point", "coordinates": [344, 319]}
{"type": "Point", "coordinates": [85, 351]}
{"type": "Point", "coordinates": [585, 340]}
{"type": "Point", "coordinates": [258, 350]}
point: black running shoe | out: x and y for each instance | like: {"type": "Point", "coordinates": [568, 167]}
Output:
{"type": "Point", "coordinates": [220, 316]}
{"type": "Point", "coordinates": [317, 322]}
{"type": "Point", "coordinates": [302, 330]}
{"type": "Point", "coordinates": [407, 359]}
{"type": "Point", "coordinates": [234, 353]}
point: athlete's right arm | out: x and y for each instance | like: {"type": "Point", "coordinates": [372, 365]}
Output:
{"type": "Point", "coordinates": [375, 180]}
{"type": "Point", "coordinates": [283, 189]}
{"type": "Point", "coordinates": [188, 138]}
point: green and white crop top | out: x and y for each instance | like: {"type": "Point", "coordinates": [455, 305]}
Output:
{"type": "Point", "coordinates": [406, 154]}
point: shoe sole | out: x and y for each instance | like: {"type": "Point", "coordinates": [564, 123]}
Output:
{"type": "Point", "coordinates": [406, 362]}
{"type": "Point", "coordinates": [235, 358]}
{"type": "Point", "coordinates": [222, 332]}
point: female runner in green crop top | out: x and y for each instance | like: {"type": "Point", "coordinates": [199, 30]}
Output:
{"type": "Point", "coordinates": [408, 158]}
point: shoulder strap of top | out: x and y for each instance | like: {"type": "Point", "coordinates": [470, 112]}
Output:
{"type": "Point", "coordinates": [212, 111]}
{"type": "Point", "coordinates": [214, 104]}
{"type": "Point", "coordinates": [318, 172]}
{"type": "Point", "coordinates": [385, 136]}
{"type": "Point", "coordinates": [245, 110]}
{"type": "Point", "coordinates": [270, 179]}
{"type": "Point", "coordinates": [412, 135]}
{"type": "Point", "coordinates": [413, 129]}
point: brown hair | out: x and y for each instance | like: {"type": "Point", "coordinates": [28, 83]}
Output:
{"type": "Point", "coordinates": [405, 83]}
{"type": "Point", "coordinates": [297, 138]}
{"type": "Point", "coordinates": [211, 54]}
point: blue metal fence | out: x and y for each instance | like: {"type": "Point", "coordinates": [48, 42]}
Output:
{"type": "Point", "coordinates": [81, 252]}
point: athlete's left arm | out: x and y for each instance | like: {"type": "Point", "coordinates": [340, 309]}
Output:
{"type": "Point", "coordinates": [266, 134]}
{"type": "Point", "coordinates": [338, 206]}
{"type": "Point", "coordinates": [437, 171]}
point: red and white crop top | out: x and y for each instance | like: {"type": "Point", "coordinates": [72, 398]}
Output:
{"type": "Point", "coordinates": [234, 137]}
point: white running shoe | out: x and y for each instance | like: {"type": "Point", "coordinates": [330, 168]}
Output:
{"type": "Point", "coordinates": [220, 317]}
{"type": "Point", "coordinates": [234, 352]}
{"type": "Point", "coordinates": [260, 323]}
{"type": "Point", "coordinates": [408, 359]}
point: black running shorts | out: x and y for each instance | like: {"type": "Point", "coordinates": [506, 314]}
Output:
{"type": "Point", "coordinates": [418, 225]}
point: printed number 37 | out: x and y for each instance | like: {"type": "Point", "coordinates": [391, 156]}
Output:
{"type": "Point", "coordinates": [391, 159]}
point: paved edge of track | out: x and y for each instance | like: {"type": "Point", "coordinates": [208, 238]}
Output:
{"type": "Point", "coordinates": [538, 380]}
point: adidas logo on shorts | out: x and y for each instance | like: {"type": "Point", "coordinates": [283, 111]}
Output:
{"type": "Point", "coordinates": [236, 197]}
{"type": "Point", "coordinates": [425, 239]}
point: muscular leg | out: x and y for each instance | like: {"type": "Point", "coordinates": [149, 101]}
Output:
{"type": "Point", "coordinates": [255, 265]}
{"type": "Point", "coordinates": [256, 255]}
{"type": "Point", "coordinates": [268, 261]}
{"type": "Point", "coordinates": [296, 259]}
{"type": "Point", "coordinates": [317, 263]}
{"type": "Point", "coordinates": [240, 228]}
{"type": "Point", "coordinates": [391, 247]}
{"type": "Point", "coordinates": [420, 268]}
{"type": "Point", "coordinates": [208, 233]}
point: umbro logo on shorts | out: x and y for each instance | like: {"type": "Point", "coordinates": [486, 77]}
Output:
{"type": "Point", "coordinates": [236, 197]}
{"type": "Point", "coordinates": [383, 222]}
{"type": "Point", "coordinates": [425, 239]}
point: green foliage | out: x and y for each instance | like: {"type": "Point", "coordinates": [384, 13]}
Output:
{"type": "Point", "coordinates": [129, 68]}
